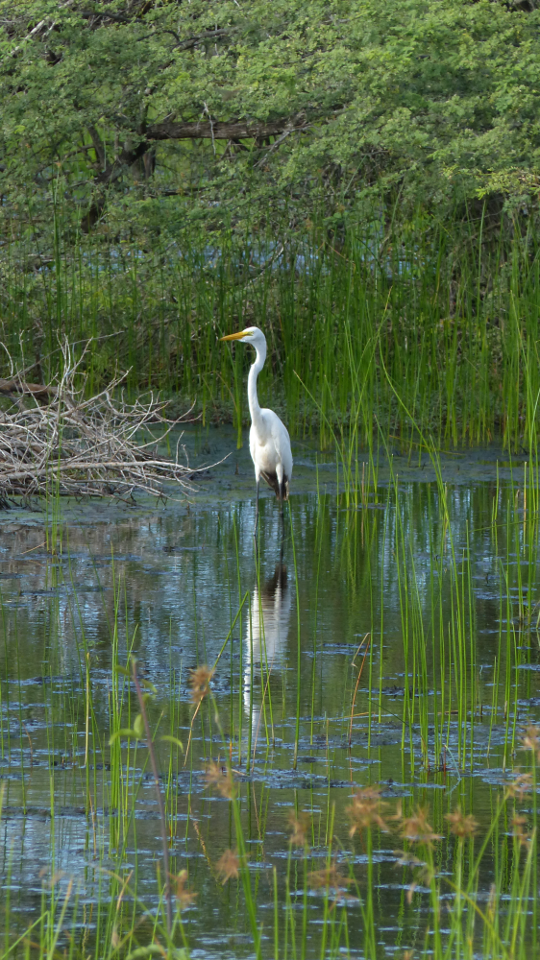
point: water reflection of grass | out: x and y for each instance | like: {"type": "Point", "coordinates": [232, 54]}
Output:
{"type": "Point", "coordinates": [282, 840]}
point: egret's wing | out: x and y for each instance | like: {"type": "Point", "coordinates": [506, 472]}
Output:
{"type": "Point", "coordinates": [281, 441]}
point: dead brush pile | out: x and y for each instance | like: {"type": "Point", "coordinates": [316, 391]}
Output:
{"type": "Point", "coordinates": [56, 440]}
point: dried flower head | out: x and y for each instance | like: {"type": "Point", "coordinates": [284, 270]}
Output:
{"type": "Point", "coordinates": [228, 866]}
{"type": "Point", "coordinates": [461, 825]}
{"type": "Point", "coordinates": [519, 832]}
{"type": "Point", "coordinates": [407, 859]}
{"type": "Point", "coordinates": [200, 682]}
{"type": "Point", "coordinates": [417, 829]}
{"type": "Point", "coordinates": [424, 872]}
{"type": "Point", "coordinates": [522, 784]}
{"type": "Point", "coordinates": [219, 776]}
{"type": "Point", "coordinates": [365, 811]}
{"type": "Point", "coordinates": [299, 826]}
{"type": "Point", "coordinates": [530, 739]}
{"type": "Point", "coordinates": [184, 896]}
{"type": "Point", "coordinates": [410, 891]}
{"type": "Point", "coordinates": [329, 878]}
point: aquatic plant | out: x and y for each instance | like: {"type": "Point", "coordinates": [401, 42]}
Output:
{"type": "Point", "coordinates": [445, 308]}
{"type": "Point", "coordinates": [367, 786]}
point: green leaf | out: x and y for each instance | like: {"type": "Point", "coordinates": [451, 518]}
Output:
{"type": "Point", "coordinates": [138, 726]}
{"type": "Point", "coordinates": [122, 670]}
{"type": "Point", "coordinates": [125, 732]}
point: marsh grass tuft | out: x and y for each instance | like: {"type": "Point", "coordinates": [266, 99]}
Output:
{"type": "Point", "coordinates": [228, 866]}
{"type": "Point", "coordinates": [200, 679]}
{"type": "Point", "coordinates": [299, 825]}
{"type": "Point", "coordinates": [462, 825]}
{"type": "Point", "coordinates": [219, 776]}
{"type": "Point", "coordinates": [365, 811]}
{"type": "Point", "coordinates": [444, 315]}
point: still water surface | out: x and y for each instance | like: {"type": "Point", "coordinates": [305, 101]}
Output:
{"type": "Point", "coordinates": [167, 582]}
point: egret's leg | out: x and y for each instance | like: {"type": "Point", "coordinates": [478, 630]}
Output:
{"type": "Point", "coordinates": [280, 479]}
{"type": "Point", "coordinates": [282, 524]}
{"type": "Point", "coordinates": [256, 510]}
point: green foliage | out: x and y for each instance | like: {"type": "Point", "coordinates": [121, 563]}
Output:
{"type": "Point", "coordinates": [169, 171]}
{"type": "Point", "coordinates": [433, 99]}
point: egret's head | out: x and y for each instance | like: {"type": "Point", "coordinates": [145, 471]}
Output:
{"type": "Point", "coordinates": [249, 335]}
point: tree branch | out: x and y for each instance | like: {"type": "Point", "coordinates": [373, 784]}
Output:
{"type": "Point", "coordinates": [224, 130]}
{"type": "Point", "coordinates": [189, 130]}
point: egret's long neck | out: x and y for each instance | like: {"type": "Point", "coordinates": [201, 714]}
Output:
{"type": "Point", "coordinates": [254, 371]}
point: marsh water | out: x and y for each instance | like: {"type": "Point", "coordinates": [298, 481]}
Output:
{"type": "Point", "coordinates": [383, 641]}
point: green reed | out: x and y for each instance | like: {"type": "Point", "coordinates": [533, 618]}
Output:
{"type": "Point", "coordinates": [450, 315]}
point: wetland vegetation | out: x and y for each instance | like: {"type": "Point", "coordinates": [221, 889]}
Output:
{"type": "Point", "coordinates": [333, 751]}
{"type": "Point", "coordinates": [346, 746]}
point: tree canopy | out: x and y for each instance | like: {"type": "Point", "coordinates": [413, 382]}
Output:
{"type": "Point", "coordinates": [229, 111]}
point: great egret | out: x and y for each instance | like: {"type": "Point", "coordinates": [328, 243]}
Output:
{"type": "Point", "coordinates": [269, 442]}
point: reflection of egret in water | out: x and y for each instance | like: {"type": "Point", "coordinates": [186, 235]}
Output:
{"type": "Point", "coordinates": [266, 638]}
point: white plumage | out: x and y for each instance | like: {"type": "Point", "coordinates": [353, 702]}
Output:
{"type": "Point", "coordinates": [269, 441]}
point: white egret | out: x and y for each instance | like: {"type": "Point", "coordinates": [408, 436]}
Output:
{"type": "Point", "coordinates": [269, 442]}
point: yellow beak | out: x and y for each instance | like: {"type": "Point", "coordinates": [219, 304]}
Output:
{"type": "Point", "coordinates": [234, 336]}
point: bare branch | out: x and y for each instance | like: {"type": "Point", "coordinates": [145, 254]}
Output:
{"type": "Point", "coordinates": [217, 130]}
{"type": "Point", "coordinates": [55, 439]}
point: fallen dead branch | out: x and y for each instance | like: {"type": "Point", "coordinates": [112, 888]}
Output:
{"type": "Point", "coordinates": [9, 387]}
{"type": "Point", "coordinates": [56, 440]}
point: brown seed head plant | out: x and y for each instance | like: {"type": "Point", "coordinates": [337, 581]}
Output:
{"type": "Point", "coordinates": [407, 859]}
{"type": "Point", "coordinates": [228, 866]}
{"type": "Point", "coordinates": [365, 811]}
{"type": "Point", "coordinates": [184, 896]}
{"type": "Point", "coordinates": [530, 739]}
{"type": "Point", "coordinates": [330, 878]}
{"type": "Point", "coordinates": [518, 830]}
{"type": "Point", "coordinates": [200, 682]}
{"type": "Point", "coordinates": [423, 871]}
{"type": "Point", "coordinates": [410, 892]}
{"type": "Point", "coordinates": [521, 785]}
{"type": "Point", "coordinates": [299, 828]}
{"type": "Point", "coordinates": [417, 829]}
{"type": "Point", "coordinates": [220, 777]}
{"type": "Point", "coordinates": [461, 825]}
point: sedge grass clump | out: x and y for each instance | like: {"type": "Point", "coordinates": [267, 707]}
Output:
{"type": "Point", "coordinates": [183, 895]}
{"type": "Point", "coordinates": [461, 825]}
{"type": "Point", "coordinates": [220, 777]}
{"type": "Point", "coordinates": [522, 784]}
{"type": "Point", "coordinates": [299, 825]}
{"type": "Point", "coordinates": [228, 866]}
{"type": "Point", "coordinates": [365, 811]}
{"type": "Point", "coordinates": [200, 683]}
{"type": "Point", "coordinates": [416, 827]}
{"type": "Point", "coordinates": [330, 879]}
{"type": "Point", "coordinates": [518, 824]}
{"type": "Point", "coordinates": [530, 740]}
